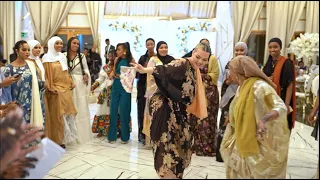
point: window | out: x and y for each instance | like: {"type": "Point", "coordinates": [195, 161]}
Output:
{"type": "Point", "coordinates": [256, 46]}
{"type": "Point", "coordinates": [84, 35]}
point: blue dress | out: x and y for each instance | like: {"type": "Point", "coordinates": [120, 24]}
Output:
{"type": "Point", "coordinates": [21, 91]}
{"type": "Point", "coordinates": [5, 95]}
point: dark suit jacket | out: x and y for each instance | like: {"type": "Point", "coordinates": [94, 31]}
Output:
{"type": "Point", "coordinates": [112, 48]}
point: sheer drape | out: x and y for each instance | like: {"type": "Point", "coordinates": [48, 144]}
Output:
{"type": "Point", "coordinates": [7, 27]}
{"type": "Point", "coordinates": [312, 17]}
{"type": "Point", "coordinates": [93, 11]}
{"type": "Point", "coordinates": [175, 9]}
{"type": "Point", "coordinates": [244, 15]}
{"type": "Point", "coordinates": [47, 17]}
{"type": "Point", "coordinates": [282, 20]}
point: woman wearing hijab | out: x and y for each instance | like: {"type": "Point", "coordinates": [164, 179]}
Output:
{"type": "Point", "coordinates": [180, 93]}
{"type": "Point", "coordinates": [228, 90]}
{"type": "Point", "coordinates": [162, 58]}
{"type": "Point", "coordinates": [61, 111]}
{"type": "Point", "coordinates": [281, 70]}
{"type": "Point", "coordinates": [204, 131]}
{"type": "Point", "coordinates": [80, 74]}
{"type": "Point", "coordinates": [256, 141]}
{"type": "Point", "coordinates": [27, 90]}
{"type": "Point", "coordinates": [141, 86]}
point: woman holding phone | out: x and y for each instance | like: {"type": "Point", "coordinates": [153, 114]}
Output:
{"type": "Point", "coordinates": [27, 90]}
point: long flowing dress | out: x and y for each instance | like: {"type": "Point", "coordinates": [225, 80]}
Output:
{"type": "Point", "coordinates": [204, 131]}
{"type": "Point", "coordinates": [61, 111]}
{"type": "Point", "coordinates": [227, 95]}
{"type": "Point", "coordinates": [21, 91]}
{"type": "Point", "coordinates": [151, 88]}
{"type": "Point", "coordinates": [80, 96]}
{"type": "Point", "coordinates": [170, 125]}
{"type": "Point", "coordinates": [271, 162]}
{"type": "Point", "coordinates": [141, 99]}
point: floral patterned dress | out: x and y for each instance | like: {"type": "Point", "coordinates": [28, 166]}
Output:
{"type": "Point", "coordinates": [21, 90]}
{"type": "Point", "coordinates": [170, 127]}
{"type": "Point", "coordinates": [205, 130]}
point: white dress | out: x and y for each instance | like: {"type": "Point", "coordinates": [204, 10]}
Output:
{"type": "Point", "coordinates": [80, 96]}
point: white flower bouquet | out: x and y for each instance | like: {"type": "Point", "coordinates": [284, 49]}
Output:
{"type": "Point", "coordinates": [307, 45]}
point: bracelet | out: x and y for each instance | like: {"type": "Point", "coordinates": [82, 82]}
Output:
{"type": "Point", "coordinates": [266, 117]}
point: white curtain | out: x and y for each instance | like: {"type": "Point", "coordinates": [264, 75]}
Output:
{"type": "Point", "coordinates": [244, 15]}
{"type": "Point", "coordinates": [294, 14]}
{"type": "Point", "coordinates": [7, 27]}
{"type": "Point", "coordinates": [202, 9]}
{"type": "Point", "coordinates": [312, 17]}
{"type": "Point", "coordinates": [93, 11]}
{"type": "Point", "coordinates": [282, 19]}
{"type": "Point", "coordinates": [175, 9]}
{"type": "Point", "coordinates": [47, 17]}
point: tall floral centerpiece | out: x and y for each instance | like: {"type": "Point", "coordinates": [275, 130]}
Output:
{"type": "Point", "coordinates": [307, 46]}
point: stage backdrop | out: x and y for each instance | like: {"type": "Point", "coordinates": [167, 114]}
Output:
{"type": "Point", "coordinates": [181, 35]}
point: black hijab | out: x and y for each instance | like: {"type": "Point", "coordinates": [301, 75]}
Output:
{"type": "Point", "coordinates": [164, 59]}
{"type": "Point", "coordinates": [268, 68]}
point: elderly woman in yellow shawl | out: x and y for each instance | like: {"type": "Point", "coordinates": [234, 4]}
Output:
{"type": "Point", "coordinates": [256, 141]}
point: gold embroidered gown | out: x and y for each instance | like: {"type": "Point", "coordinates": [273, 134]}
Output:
{"type": "Point", "coordinates": [271, 163]}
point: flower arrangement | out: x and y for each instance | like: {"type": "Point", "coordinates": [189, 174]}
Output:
{"type": "Point", "coordinates": [130, 28]}
{"type": "Point", "coordinates": [307, 45]}
{"type": "Point", "coordinates": [183, 31]}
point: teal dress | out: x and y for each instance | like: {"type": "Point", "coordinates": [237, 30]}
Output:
{"type": "Point", "coordinates": [120, 100]}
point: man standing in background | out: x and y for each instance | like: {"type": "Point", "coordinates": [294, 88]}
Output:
{"type": "Point", "coordinates": [108, 48]}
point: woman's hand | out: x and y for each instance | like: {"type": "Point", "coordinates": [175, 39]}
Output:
{"type": "Point", "coordinates": [52, 91]}
{"type": "Point", "coordinates": [138, 67]}
{"type": "Point", "coordinates": [262, 128]}
{"type": "Point", "coordinates": [72, 86]}
{"type": "Point", "coordinates": [311, 116]}
{"type": "Point", "coordinates": [226, 121]}
{"type": "Point", "coordinates": [86, 79]}
{"type": "Point", "coordinates": [18, 168]}
{"type": "Point", "coordinates": [111, 75]}
{"type": "Point", "coordinates": [271, 78]}
{"type": "Point", "coordinates": [289, 109]}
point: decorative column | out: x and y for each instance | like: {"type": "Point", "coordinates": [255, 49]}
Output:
{"type": "Point", "coordinates": [224, 40]}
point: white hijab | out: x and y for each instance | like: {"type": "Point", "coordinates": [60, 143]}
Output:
{"type": "Point", "coordinates": [232, 88]}
{"type": "Point", "coordinates": [32, 44]}
{"type": "Point", "coordinates": [53, 55]}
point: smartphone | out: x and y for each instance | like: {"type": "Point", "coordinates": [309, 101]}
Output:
{"type": "Point", "coordinates": [17, 75]}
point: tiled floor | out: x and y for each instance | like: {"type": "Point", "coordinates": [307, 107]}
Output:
{"type": "Point", "coordinates": [100, 160]}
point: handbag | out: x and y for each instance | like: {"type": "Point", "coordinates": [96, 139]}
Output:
{"type": "Point", "coordinates": [92, 99]}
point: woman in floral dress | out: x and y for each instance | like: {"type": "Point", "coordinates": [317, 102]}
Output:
{"type": "Point", "coordinates": [204, 131]}
{"type": "Point", "coordinates": [23, 91]}
{"type": "Point", "coordinates": [170, 123]}
{"type": "Point", "coordinates": [161, 58]}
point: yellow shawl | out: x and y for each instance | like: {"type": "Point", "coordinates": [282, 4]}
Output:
{"type": "Point", "coordinates": [245, 121]}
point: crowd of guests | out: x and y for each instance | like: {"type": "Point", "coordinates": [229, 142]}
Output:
{"type": "Point", "coordinates": [51, 93]}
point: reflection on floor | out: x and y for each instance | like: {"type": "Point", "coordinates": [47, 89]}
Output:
{"type": "Point", "coordinates": [100, 160]}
